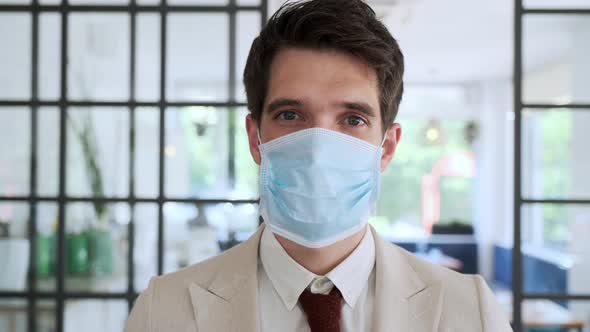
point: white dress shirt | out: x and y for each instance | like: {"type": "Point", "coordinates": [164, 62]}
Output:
{"type": "Point", "coordinates": [281, 280]}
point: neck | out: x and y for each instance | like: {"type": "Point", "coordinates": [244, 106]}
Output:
{"type": "Point", "coordinates": [322, 260]}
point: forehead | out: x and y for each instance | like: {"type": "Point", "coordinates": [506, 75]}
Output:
{"type": "Point", "coordinates": [318, 74]}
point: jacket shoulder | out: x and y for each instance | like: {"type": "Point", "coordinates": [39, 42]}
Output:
{"type": "Point", "coordinates": [458, 288]}
{"type": "Point", "coordinates": [201, 273]}
{"type": "Point", "coordinates": [467, 299]}
{"type": "Point", "coordinates": [433, 273]}
{"type": "Point", "coordinates": [166, 304]}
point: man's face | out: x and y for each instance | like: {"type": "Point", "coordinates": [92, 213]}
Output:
{"type": "Point", "coordinates": [322, 88]}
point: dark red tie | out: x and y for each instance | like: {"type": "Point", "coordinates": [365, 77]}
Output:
{"type": "Point", "coordinates": [322, 311]}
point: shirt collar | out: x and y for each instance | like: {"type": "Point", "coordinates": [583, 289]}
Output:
{"type": "Point", "coordinates": [290, 279]}
{"type": "Point", "coordinates": [351, 276]}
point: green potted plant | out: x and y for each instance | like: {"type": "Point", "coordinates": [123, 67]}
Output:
{"type": "Point", "coordinates": [100, 243]}
{"type": "Point", "coordinates": [77, 249]}
{"type": "Point", "coordinates": [45, 250]}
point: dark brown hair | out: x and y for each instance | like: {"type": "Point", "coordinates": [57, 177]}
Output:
{"type": "Point", "coordinates": [343, 25]}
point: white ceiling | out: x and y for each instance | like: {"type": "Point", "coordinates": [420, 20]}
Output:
{"type": "Point", "coordinates": [452, 40]}
{"type": "Point", "coordinates": [457, 41]}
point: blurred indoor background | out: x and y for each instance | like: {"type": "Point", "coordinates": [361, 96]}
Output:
{"type": "Point", "coordinates": [123, 152]}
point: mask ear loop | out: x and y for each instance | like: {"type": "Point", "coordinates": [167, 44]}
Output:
{"type": "Point", "coordinates": [259, 139]}
{"type": "Point", "coordinates": [384, 138]}
{"type": "Point", "coordinates": [381, 146]}
{"type": "Point", "coordinates": [373, 208]}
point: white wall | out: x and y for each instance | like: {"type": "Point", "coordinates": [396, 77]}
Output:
{"type": "Point", "coordinates": [493, 224]}
{"type": "Point", "coordinates": [580, 172]}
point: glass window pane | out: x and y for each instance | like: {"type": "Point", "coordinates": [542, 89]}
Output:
{"type": "Point", "coordinates": [196, 152]}
{"type": "Point", "coordinates": [13, 315]}
{"type": "Point", "coordinates": [147, 71]}
{"type": "Point", "coordinates": [555, 154]}
{"type": "Point", "coordinates": [14, 245]}
{"type": "Point", "coordinates": [49, 56]}
{"type": "Point", "coordinates": [561, 4]}
{"type": "Point", "coordinates": [96, 247]}
{"type": "Point", "coordinates": [45, 312]}
{"type": "Point", "coordinates": [197, 2]}
{"type": "Point", "coordinates": [15, 126]}
{"type": "Point", "coordinates": [50, 2]}
{"type": "Point", "coordinates": [99, 2]}
{"type": "Point", "coordinates": [197, 57]}
{"type": "Point", "coordinates": [243, 221]}
{"type": "Point", "coordinates": [95, 315]}
{"type": "Point", "coordinates": [15, 58]}
{"type": "Point", "coordinates": [148, 2]}
{"type": "Point", "coordinates": [429, 183]}
{"type": "Point", "coordinates": [556, 251]}
{"type": "Point", "coordinates": [15, 2]}
{"type": "Point", "coordinates": [147, 151]}
{"type": "Point", "coordinates": [48, 151]}
{"type": "Point", "coordinates": [555, 58]}
{"type": "Point", "coordinates": [46, 250]}
{"type": "Point", "coordinates": [248, 2]}
{"type": "Point", "coordinates": [548, 315]}
{"type": "Point", "coordinates": [247, 28]}
{"type": "Point", "coordinates": [98, 67]}
{"type": "Point", "coordinates": [146, 244]}
{"type": "Point", "coordinates": [195, 232]}
{"type": "Point", "coordinates": [98, 152]}
{"type": "Point", "coordinates": [246, 183]}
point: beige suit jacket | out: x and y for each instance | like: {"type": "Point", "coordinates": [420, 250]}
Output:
{"type": "Point", "coordinates": [411, 295]}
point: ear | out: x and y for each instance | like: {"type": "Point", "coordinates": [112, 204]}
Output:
{"type": "Point", "coordinates": [252, 130]}
{"type": "Point", "coordinates": [392, 138]}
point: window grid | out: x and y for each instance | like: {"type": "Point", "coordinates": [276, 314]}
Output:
{"type": "Point", "coordinates": [32, 295]}
{"type": "Point", "coordinates": [60, 295]}
{"type": "Point", "coordinates": [519, 296]}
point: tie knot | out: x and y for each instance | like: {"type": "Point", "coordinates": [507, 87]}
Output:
{"type": "Point", "coordinates": [322, 311]}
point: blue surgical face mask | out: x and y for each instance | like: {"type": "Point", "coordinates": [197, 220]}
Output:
{"type": "Point", "coordinates": [318, 186]}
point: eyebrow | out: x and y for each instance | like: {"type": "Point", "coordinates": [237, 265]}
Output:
{"type": "Point", "coordinates": [282, 102]}
{"type": "Point", "coordinates": [362, 107]}
{"type": "Point", "coordinates": [359, 106]}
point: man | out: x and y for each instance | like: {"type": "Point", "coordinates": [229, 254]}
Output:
{"type": "Point", "coordinates": [324, 82]}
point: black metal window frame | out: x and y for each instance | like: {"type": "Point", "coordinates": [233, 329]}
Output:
{"type": "Point", "coordinates": [32, 295]}
{"type": "Point", "coordinates": [35, 9]}
{"type": "Point", "coordinates": [519, 295]}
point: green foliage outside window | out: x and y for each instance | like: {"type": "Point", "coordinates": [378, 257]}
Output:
{"type": "Point", "coordinates": [401, 186]}
{"type": "Point", "coordinates": [208, 151]}
{"type": "Point", "coordinates": [555, 128]}
{"type": "Point", "coordinates": [200, 144]}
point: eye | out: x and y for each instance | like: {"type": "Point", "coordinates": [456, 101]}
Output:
{"type": "Point", "coordinates": [288, 116]}
{"type": "Point", "coordinates": [355, 121]}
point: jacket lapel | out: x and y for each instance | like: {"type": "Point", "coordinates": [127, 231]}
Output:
{"type": "Point", "coordinates": [229, 301]}
{"type": "Point", "coordinates": [403, 301]}
{"type": "Point", "coordinates": [212, 312]}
